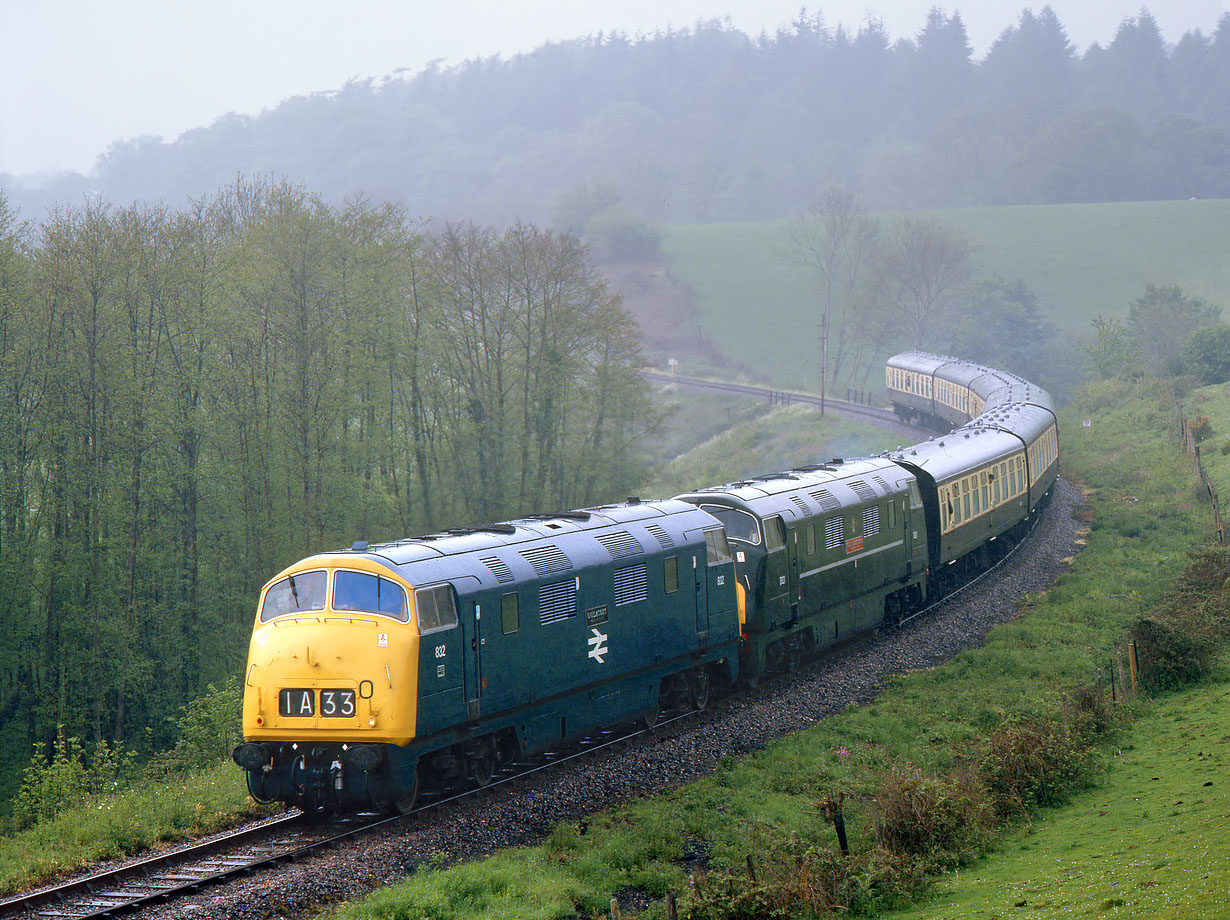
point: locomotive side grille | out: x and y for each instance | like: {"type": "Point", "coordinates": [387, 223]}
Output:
{"type": "Point", "coordinates": [557, 602]}
{"type": "Point", "coordinates": [862, 490]}
{"type": "Point", "coordinates": [620, 544]}
{"type": "Point", "coordinates": [871, 521]}
{"type": "Point", "coordinates": [883, 485]}
{"type": "Point", "coordinates": [547, 560]}
{"type": "Point", "coordinates": [834, 533]}
{"type": "Point", "coordinates": [825, 498]}
{"type": "Point", "coordinates": [631, 585]}
{"type": "Point", "coordinates": [661, 535]}
{"type": "Point", "coordinates": [501, 571]}
{"type": "Point", "coordinates": [802, 505]}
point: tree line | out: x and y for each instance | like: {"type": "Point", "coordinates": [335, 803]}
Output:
{"type": "Point", "coordinates": [191, 399]}
{"type": "Point", "coordinates": [708, 123]}
{"type": "Point", "coordinates": [883, 283]}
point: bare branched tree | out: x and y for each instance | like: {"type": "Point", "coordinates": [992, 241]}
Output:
{"type": "Point", "coordinates": [837, 242]}
{"type": "Point", "coordinates": [919, 272]}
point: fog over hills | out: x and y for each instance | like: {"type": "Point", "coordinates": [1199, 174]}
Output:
{"type": "Point", "coordinates": [709, 124]}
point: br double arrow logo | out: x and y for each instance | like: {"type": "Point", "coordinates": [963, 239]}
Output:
{"type": "Point", "coordinates": [597, 646]}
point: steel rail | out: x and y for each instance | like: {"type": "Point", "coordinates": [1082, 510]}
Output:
{"type": "Point", "coordinates": [784, 397]}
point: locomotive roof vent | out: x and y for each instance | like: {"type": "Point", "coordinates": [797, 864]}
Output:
{"type": "Point", "coordinates": [360, 546]}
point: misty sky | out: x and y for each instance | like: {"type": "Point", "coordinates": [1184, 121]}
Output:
{"type": "Point", "coordinates": [77, 75]}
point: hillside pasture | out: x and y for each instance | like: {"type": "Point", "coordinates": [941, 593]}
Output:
{"type": "Point", "coordinates": [759, 307]}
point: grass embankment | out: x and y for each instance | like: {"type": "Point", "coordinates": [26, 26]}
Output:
{"type": "Point", "coordinates": [775, 440]}
{"type": "Point", "coordinates": [1152, 840]}
{"type": "Point", "coordinates": [184, 806]}
{"type": "Point", "coordinates": [759, 307]}
{"type": "Point", "coordinates": [924, 726]}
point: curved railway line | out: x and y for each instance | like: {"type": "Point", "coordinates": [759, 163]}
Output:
{"type": "Point", "coordinates": [877, 415]}
{"type": "Point", "coordinates": [161, 879]}
{"type": "Point", "coordinates": [137, 886]}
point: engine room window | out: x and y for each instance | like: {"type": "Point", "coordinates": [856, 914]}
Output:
{"type": "Point", "coordinates": [739, 525]}
{"type": "Point", "coordinates": [295, 594]}
{"type": "Point", "coordinates": [436, 608]}
{"type": "Point", "coordinates": [509, 615]}
{"type": "Point", "coordinates": [370, 594]}
{"type": "Point", "coordinates": [719, 548]}
{"type": "Point", "coordinates": [670, 574]}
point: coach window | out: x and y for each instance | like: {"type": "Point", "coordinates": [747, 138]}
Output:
{"type": "Point", "coordinates": [435, 608]}
{"type": "Point", "coordinates": [509, 616]}
{"type": "Point", "coordinates": [670, 574]}
{"type": "Point", "coordinates": [360, 591]}
{"type": "Point", "coordinates": [965, 499]}
{"type": "Point", "coordinates": [295, 594]}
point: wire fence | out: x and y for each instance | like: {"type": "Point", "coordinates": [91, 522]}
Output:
{"type": "Point", "coordinates": [1192, 431]}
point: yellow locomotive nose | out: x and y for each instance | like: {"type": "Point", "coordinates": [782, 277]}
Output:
{"type": "Point", "coordinates": [317, 673]}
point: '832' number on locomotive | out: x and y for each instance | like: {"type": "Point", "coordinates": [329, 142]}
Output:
{"type": "Point", "coordinates": [337, 704]}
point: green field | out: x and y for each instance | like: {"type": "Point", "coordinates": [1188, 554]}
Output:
{"type": "Point", "coordinates": [1080, 260]}
{"type": "Point", "coordinates": [1152, 840]}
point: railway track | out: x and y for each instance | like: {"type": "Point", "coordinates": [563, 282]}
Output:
{"type": "Point", "coordinates": [165, 877]}
{"type": "Point", "coordinates": [841, 407]}
{"type": "Point", "coordinates": [162, 878]}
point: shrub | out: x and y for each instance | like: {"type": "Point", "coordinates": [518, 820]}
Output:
{"type": "Point", "coordinates": [799, 882]}
{"type": "Point", "coordinates": [49, 787]}
{"type": "Point", "coordinates": [1087, 713]}
{"type": "Point", "coordinates": [941, 818]}
{"type": "Point", "coordinates": [210, 728]}
{"type": "Point", "coordinates": [1200, 427]}
{"type": "Point", "coordinates": [1167, 659]}
{"type": "Point", "coordinates": [1030, 763]}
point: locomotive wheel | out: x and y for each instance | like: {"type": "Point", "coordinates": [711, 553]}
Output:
{"type": "Point", "coordinates": [794, 654]}
{"type": "Point", "coordinates": [698, 686]}
{"type": "Point", "coordinates": [405, 804]}
{"type": "Point", "coordinates": [482, 766]}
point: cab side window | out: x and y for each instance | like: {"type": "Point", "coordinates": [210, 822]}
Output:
{"type": "Point", "coordinates": [774, 533]}
{"type": "Point", "coordinates": [717, 546]}
{"type": "Point", "coordinates": [436, 608]}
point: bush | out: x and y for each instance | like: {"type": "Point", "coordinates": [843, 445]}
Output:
{"type": "Point", "coordinates": [799, 882]}
{"type": "Point", "coordinates": [210, 728]}
{"type": "Point", "coordinates": [940, 818]}
{"type": "Point", "coordinates": [1031, 763]}
{"type": "Point", "coordinates": [1167, 659]}
{"type": "Point", "coordinates": [1200, 427]}
{"type": "Point", "coordinates": [49, 787]}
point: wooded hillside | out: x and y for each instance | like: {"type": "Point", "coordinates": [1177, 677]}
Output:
{"type": "Point", "coordinates": [190, 401]}
{"type": "Point", "coordinates": [708, 123]}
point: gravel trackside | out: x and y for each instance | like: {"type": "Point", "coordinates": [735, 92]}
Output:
{"type": "Point", "coordinates": [523, 812]}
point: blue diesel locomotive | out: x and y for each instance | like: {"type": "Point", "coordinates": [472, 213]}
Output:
{"type": "Point", "coordinates": [434, 661]}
